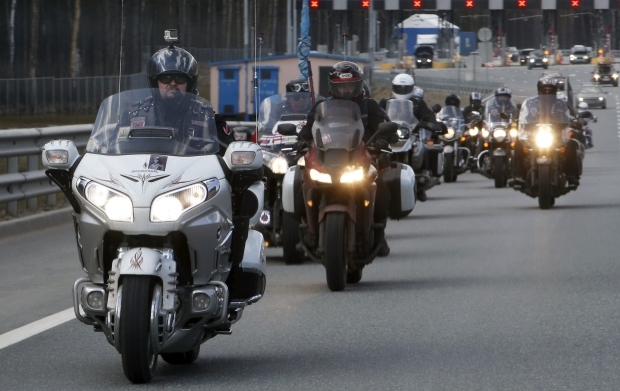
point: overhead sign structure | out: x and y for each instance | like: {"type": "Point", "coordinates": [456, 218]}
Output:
{"type": "Point", "coordinates": [447, 5]}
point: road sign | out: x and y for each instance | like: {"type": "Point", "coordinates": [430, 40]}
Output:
{"type": "Point", "coordinates": [484, 34]}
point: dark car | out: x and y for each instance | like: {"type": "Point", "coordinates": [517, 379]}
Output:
{"type": "Point", "coordinates": [605, 74]}
{"type": "Point", "coordinates": [424, 56]}
{"type": "Point", "coordinates": [537, 59]}
{"type": "Point", "coordinates": [579, 55]}
{"type": "Point", "coordinates": [524, 56]}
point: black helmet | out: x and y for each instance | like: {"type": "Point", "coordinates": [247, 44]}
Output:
{"type": "Point", "coordinates": [475, 97]}
{"type": "Point", "coordinates": [503, 91]}
{"type": "Point", "coordinates": [453, 100]}
{"type": "Point", "coordinates": [297, 85]}
{"type": "Point", "coordinates": [547, 85]}
{"type": "Point", "coordinates": [173, 60]}
{"type": "Point", "coordinates": [346, 80]}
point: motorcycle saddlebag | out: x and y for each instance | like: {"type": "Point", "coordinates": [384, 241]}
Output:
{"type": "Point", "coordinates": [401, 182]}
{"type": "Point", "coordinates": [292, 194]}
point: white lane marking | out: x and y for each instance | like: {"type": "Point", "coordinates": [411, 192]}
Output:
{"type": "Point", "coordinates": [34, 328]}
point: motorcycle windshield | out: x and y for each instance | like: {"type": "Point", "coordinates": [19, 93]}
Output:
{"type": "Point", "coordinates": [401, 111]}
{"type": "Point", "coordinates": [154, 121]}
{"type": "Point", "coordinates": [452, 117]}
{"type": "Point", "coordinates": [498, 105]}
{"type": "Point", "coordinates": [291, 107]}
{"type": "Point", "coordinates": [337, 125]}
{"type": "Point", "coordinates": [544, 109]}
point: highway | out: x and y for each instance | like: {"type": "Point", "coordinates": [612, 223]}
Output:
{"type": "Point", "coordinates": [482, 291]}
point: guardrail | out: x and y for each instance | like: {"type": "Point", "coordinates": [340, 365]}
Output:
{"type": "Point", "coordinates": [17, 145]}
{"type": "Point", "coordinates": [442, 84]}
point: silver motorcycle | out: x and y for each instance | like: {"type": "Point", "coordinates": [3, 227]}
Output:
{"type": "Point", "coordinates": [162, 226]}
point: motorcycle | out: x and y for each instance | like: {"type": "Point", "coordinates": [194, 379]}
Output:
{"type": "Point", "coordinates": [415, 146]}
{"type": "Point", "coordinates": [498, 141]}
{"type": "Point", "coordinates": [545, 144]}
{"type": "Point", "coordinates": [456, 157]}
{"type": "Point", "coordinates": [277, 226]}
{"type": "Point", "coordinates": [338, 191]}
{"type": "Point", "coordinates": [587, 132]}
{"type": "Point", "coordinates": [163, 230]}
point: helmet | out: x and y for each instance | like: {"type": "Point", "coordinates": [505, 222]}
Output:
{"type": "Point", "coordinates": [418, 92]}
{"type": "Point", "coordinates": [402, 86]}
{"type": "Point", "coordinates": [561, 95]}
{"type": "Point", "coordinates": [547, 85]}
{"type": "Point", "coordinates": [173, 60]}
{"type": "Point", "coordinates": [475, 97]}
{"type": "Point", "coordinates": [503, 91]}
{"type": "Point", "coordinates": [346, 80]}
{"type": "Point", "coordinates": [453, 100]}
{"type": "Point", "coordinates": [297, 85]}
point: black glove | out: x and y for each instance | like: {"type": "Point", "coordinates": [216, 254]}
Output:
{"type": "Point", "coordinates": [381, 143]}
{"type": "Point", "coordinates": [301, 145]}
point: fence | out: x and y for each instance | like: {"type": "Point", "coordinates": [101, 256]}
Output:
{"type": "Point", "coordinates": [31, 183]}
{"type": "Point", "coordinates": [442, 84]}
{"type": "Point", "coordinates": [63, 95]}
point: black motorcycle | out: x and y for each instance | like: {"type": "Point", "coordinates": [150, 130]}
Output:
{"type": "Point", "coordinates": [456, 157]}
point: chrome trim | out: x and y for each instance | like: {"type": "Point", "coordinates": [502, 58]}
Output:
{"type": "Point", "coordinates": [213, 187]}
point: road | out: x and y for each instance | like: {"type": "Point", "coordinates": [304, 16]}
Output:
{"type": "Point", "coordinates": [482, 291]}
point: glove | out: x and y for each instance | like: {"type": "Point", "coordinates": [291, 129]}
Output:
{"type": "Point", "coordinates": [380, 144]}
{"type": "Point", "coordinates": [301, 145]}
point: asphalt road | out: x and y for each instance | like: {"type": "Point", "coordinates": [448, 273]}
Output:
{"type": "Point", "coordinates": [482, 291]}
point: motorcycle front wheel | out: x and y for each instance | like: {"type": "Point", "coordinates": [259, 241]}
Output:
{"type": "Point", "coordinates": [335, 251]}
{"type": "Point", "coordinates": [545, 192]}
{"type": "Point", "coordinates": [290, 238]}
{"type": "Point", "coordinates": [449, 172]}
{"type": "Point", "coordinates": [499, 172]}
{"type": "Point", "coordinates": [137, 351]}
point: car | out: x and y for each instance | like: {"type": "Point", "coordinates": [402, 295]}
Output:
{"type": "Point", "coordinates": [561, 79]}
{"type": "Point", "coordinates": [524, 56]}
{"type": "Point", "coordinates": [424, 56]}
{"type": "Point", "coordinates": [605, 74]}
{"type": "Point", "coordinates": [537, 59]}
{"type": "Point", "coordinates": [579, 55]}
{"type": "Point", "coordinates": [593, 95]}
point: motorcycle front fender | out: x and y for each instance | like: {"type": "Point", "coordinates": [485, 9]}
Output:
{"type": "Point", "coordinates": [499, 152]}
{"type": "Point", "coordinates": [142, 261]}
{"type": "Point", "coordinates": [448, 149]}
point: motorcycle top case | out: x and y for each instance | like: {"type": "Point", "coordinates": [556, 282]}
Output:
{"type": "Point", "coordinates": [401, 182]}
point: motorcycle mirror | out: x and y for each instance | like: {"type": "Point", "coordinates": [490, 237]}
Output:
{"type": "Point", "coordinates": [242, 133]}
{"type": "Point", "coordinates": [436, 108]}
{"type": "Point", "coordinates": [445, 117]}
{"type": "Point", "coordinates": [585, 114]}
{"type": "Point", "coordinates": [385, 129]}
{"type": "Point", "coordinates": [287, 129]}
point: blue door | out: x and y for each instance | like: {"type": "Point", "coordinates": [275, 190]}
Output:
{"type": "Point", "coordinates": [267, 83]}
{"type": "Point", "coordinates": [229, 91]}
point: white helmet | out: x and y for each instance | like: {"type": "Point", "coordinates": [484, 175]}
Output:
{"type": "Point", "coordinates": [562, 95]}
{"type": "Point", "coordinates": [402, 86]}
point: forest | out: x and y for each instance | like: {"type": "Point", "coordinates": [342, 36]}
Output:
{"type": "Point", "coordinates": [70, 38]}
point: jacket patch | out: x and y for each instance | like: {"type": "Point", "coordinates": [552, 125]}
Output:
{"type": "Point", "coordinates": [199, 123]}
{"type": "Point", "coordinates": [138, 122]}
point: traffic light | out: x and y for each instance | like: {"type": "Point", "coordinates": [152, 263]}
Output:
{"type": "Point", "coordinates": [469, 3]}
{"type": "Point", "coordinates": [314, 4]}
{"type": "Point", "coordinates": [417, 4]}
{"type": "Point", "coordinates": [574, 3]}
{"type": "Point", "coordinates": [365, 4]}
{"type": "Point", "coordinates": [522, 3]}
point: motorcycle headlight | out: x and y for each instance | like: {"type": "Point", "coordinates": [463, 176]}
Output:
{"type": "Point", "coordinates": [117, 206]}
{"type": "Point", "coordinates": [301, 161]}
{"type": "Point", "coordinates": [450, 133]}
{"type": "Point", "coordinates": [499, 134]}
{"type": "Point", "coordinates": [513, 133]}
{"type": "Point", "coordinates": [170, 206]}
{"type": "Point", "coordinates": [353, 174]}
{"type": "Point", "coordinates": [544, 137]}
{"type": "Point", "coordinates": [474, 131]}
{"type": "Point", "coordinates": [485, 132]}
{"type": "Point", "coordinates": [318, 176]}
{"type": "Point", "coordinates": [276, 163]}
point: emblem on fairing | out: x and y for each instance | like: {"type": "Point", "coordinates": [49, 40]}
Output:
{"type": "Point", "coordinates": [136, 261]}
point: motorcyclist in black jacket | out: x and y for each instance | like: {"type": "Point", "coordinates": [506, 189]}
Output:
{"type": "Point", "coordinates": [346, 81]}
{"type": "Point", "coordinates": [475, 104]}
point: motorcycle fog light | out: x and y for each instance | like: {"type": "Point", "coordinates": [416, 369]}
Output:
{"type": "Point", "coordinates": [474, 131]}
{"type": "Point", "coordinates": [170, 206]}
{"type": "Point", "coordinates": [201, 301]}
{"type": "Point", "coordinates": [242, 158]}
{"type": "Point", "coordinates": [355, 174]}
{"type": "Point", "coordinates": [320, 176]}
{"type": "Point", "coordinates": [116, 206]}
{"type": "Point", "coordinates": [95, 300]}
{"type": "Point", "coordinates": [499, 135]}
{"type": "Point", "coordinates": [57, 156]}
{"type": "Point", "coordinates": [514, 133]}
{"type": "Point", "coordinates": [485, 132]}
{"type": "Point", "coordinates": [544, 138]}
{"type": "Point", "coordinates": [278, 165]}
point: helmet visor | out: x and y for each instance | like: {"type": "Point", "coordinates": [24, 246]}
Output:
{"type": "Point", "coordinates": [346, 90]}
{"type": "Point", "coordinates": [402, 90]}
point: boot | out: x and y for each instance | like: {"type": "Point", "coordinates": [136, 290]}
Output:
{"type": "Point", "coordinates": [421, 195]}
{"type": "Point", "coordinates": [384, 251]}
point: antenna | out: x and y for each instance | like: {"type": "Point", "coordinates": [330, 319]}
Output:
{"type": "Point", "coordinates": [344, 44]}
{"type": "Point", "coordinates": [258, 46]}
{"type": "Point", "coordinates": [120, 57]}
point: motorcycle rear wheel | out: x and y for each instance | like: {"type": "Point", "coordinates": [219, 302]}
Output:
{"type": "Point", "coordinates": [290, 238]}
{"type": "Point", "coordinates": [181, 358]}
{"type": "Point", "coordinates": [499, 172]}
{"type": "Point", "coordinates": [335, 251]}
{"type": "Point", "coordinates": [545, 192]}
{"type": "Point", "coordinates": [137, 350]}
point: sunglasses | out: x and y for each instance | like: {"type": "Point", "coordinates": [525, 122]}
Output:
{"type": "Point", "coordinates": [300, 87]}
{"type": "Point", "coordinates": [166, 79]}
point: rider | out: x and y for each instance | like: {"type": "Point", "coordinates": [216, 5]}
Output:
{"type": "Point", "coordinates": [174, 72]}
{"type": "Point", "coordinates": [346, 81]}
{"type": "Point", "coordinates": [475, 104]}
{"type": "Point", "coordinates": [403, 87]}
{"type": "Point", "coordinates": [453, 100]}
{"type": "Point", "coordinates": [297, 103]}
{"type": "Point", "coordinates": [502, 104]}
{"type": "Point", "coordinates": [546, 108]}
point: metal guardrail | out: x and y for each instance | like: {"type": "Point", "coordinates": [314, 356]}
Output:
{"type": "Point", "coordinates": [441, 84]}
{"type": "Point", "coordinates": [28, 185]}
